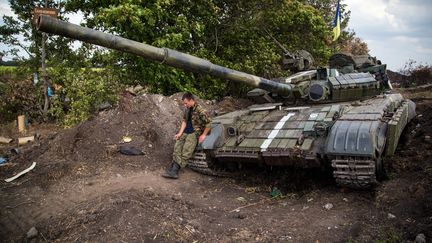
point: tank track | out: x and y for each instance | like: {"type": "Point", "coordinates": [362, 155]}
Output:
{"type": "Point", "coordinates": [355, 172]}
{"type": "Point", "coordinates": [352, 172]}
{"type": "Point", "coordinates": [201, 164]}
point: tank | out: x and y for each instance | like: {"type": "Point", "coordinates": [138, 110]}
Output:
{"type": "Point", "coordinates": [344, 117]}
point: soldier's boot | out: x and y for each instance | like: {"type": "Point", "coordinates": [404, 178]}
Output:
{"type": "Point", "coordinates": [172, 172]}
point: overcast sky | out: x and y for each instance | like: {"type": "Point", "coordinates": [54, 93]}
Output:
{"type": "Point", "coordinates": [395, 30]}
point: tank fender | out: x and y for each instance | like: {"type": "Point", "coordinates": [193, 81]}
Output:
{"type": "Point", "coordinates": [403, 114]}
{"type": "Point", "coordinates": [215, 138]}
{"type": "Point", "coordinates": [356, 138]}
{"type": "Point", "coordinates": [411, 109]}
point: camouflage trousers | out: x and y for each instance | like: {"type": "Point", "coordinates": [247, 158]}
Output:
{"type": "Point", "coordinates": [184, 148]}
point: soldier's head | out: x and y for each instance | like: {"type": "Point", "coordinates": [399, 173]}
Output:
{"type": "Point", "coordinates": [188, 100]}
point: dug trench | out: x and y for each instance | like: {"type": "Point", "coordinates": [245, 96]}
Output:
{"type": "Point", "coordinates": [82, 189]}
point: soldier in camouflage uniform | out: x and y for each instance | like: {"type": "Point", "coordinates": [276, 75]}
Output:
{"type": "Point", "coordinates": [193, 130]}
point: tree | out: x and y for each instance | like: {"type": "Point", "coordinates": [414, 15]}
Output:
{"type": "Point", "coordinates": [227, 32]}
{"type": "Point", "coordinates": [348, 42]}
{"type": "Point", "coordinates": [415, 74]}
{"type": "Point", "coordinates": [355, 46]}
{"type": "Point", "coordinates": [19, 33]}
{"type": "Point", "coordinates": [10, 34]}
{"type": "Point", "coordinates": [327, 9]}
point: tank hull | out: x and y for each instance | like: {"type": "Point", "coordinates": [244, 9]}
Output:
{"type": "Point", "coordinates": [350, 137]}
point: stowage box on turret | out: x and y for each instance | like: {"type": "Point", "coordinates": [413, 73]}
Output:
{"type": "Point", "coordinates": [345, 117]}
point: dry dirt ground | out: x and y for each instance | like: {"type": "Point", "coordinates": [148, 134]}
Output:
{"type": "Point", "coordinates": [82, 189]}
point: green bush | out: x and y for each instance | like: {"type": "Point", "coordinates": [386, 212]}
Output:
{"type": "Point", "coordinates": [81, 93]}
{"type": "Point", "coordinates": [18, 94]}
{"type": "Point", "coordinates": [414, 74]}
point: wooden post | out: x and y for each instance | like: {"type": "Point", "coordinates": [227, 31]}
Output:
{"type": "Point", "coordinates": [37, 11]}
{"type": "Point", "coordinates": [44, 77]}
{"type": "Point", "coordinates": [21, 124]}
{"type": "Point", "coordinates": [44, 73]}
{"type": "Point", "coordinates": [5, 140]}
{"type": "Point", "coordinates": [25, 140]}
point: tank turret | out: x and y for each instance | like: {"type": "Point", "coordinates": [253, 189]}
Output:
{"type": "Point", "coordinates": [347, 63]}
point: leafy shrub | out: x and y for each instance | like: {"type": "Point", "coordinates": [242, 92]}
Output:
{"type": "Point", "coordinates": [82, 92]}
{"type": "Point", "coordinates": [415, 74]}
{"type": "Point", "coordinates": [8, 71]}
{"type": "Point", "coordinates": [18, 94]}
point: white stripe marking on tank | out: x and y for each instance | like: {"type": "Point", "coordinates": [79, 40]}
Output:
{"type": "Point", "coordinates": [275, 131]}
{"type": "Point", "coordinates": [313, 116]}
{"type": "Point", "coordinates": [289, 79]}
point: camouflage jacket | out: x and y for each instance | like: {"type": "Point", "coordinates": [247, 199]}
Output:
{"type": "Point", "coordinates": [200, 119]}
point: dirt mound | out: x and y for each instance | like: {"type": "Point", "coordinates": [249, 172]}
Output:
{"type": "Point", "coordinates": [149, 120]}
{"type": "Point", "coordinates": [92, 147]}
{"type": "Point", "coordinates": [229, 104]}
{"type": "Point", "coordinates": [408, 192]}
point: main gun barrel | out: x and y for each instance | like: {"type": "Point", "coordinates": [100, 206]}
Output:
{"type": "Point", "coordinates": [164, 56]}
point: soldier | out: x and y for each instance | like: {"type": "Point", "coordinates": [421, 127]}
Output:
{"type": "Point", "coordinates": [194, 128]}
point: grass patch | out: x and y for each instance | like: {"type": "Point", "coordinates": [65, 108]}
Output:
{"type": "Point", "coordinates": [390, 236]}
{"type": "Point", "coordinates": [9, 73]}
{"type": "Point", "coordinates": [8, 70]}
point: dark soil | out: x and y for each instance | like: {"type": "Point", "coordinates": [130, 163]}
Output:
{"type": "Point", "coordinates": [83, 189]}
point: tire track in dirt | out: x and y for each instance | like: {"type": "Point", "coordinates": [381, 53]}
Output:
{"type": "Point", "coordinates": [24, 215]}
{"type": "Point", "coordinates": [40, 207]}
